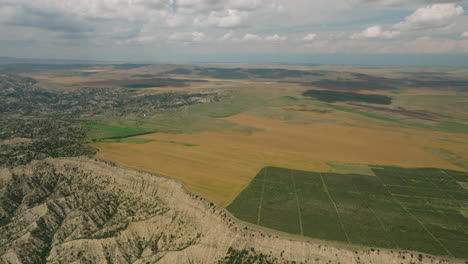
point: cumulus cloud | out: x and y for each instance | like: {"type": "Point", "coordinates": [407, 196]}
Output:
{"type": "Point", "coordinates": [310, 37]}
{"type": "Point", "coordinates": [245, 4]}
{"type": "Point", "coordinates": [137, 40]}
{"type": "Point", "coordinates": [375, 32]}
{"type": "Point", "coordinates": [249, 37]}
{"type": "Point", "coordinates": [188, 36]}
{"type": "Point", "coordinates": [383, 2]}
{"type": "Point", "coordinates": [227, 36]}
{"type": "Point", "coordinates": [175, 20]}
{"type": "Point", "coordinates": [398, 3]}
{"type": "Point", "coordinates": [275, 37]}
{"type": "Point", "coordinates": [52, 20]}
{"type": "Point", "coordinates": [207, 6]}
{"type": "Point", "coordinates": [198, 36]}
{"type": "Point", "coordinates": [254, 37]}
{"type": "Point", "coordinates": [167, 25]}
{"type": "Point", "coordinates": [230, 18]}
{"type": "Point", "coordinates": [434, 16]}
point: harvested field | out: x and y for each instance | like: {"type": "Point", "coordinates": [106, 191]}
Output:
{"type": "Point", "coordinates": [63, 79]}
{"type": "Point", "coordinates": [223, 163]}
{"type": "Point", "coordinates": [143, 83]}
{"type": "Point", "coordinates": [417, 209]}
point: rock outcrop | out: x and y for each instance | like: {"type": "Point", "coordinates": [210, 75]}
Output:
{"type": "Point", "coordinates": [80, 210]}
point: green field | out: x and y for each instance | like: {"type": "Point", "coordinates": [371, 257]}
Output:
{"type": "Point", "coordinates": [414, 209]}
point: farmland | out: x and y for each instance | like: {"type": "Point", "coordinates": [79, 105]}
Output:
{"type": "Point", "coordinates": [340, 149]}
{"type": "Point", "coordinates": [222, 163]}
{"type": "Point", "coordinates": [418, 209]}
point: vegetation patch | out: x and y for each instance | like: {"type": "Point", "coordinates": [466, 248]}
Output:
{"type": "Point", "coordinates": [36, 139]}
{"type": "Point", "coordinates": [333, 96]}
{"type": "Point", "coordinates": [127, 140]}
{"type": "Point", "coordinates": [451, 126]}
{"type": "Point", "coordinates": [179, 71]}
{"type": "Point", "coordinates": [451, 157]}
{"type": "Point", "coordinates": [109, 132]}
{"type": "Point", "coordinates": [414, 209]}
{"type": "Point", "coordinates": [374, 84]}
{"type": "Point", "coordinates": [362, 113]}
{"type": "Point", "coordinates": [343, 168]}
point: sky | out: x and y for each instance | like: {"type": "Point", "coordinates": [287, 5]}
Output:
{"type": "Point", "coordinates": [302, 31]}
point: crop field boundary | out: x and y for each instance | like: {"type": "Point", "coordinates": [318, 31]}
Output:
{"type": "Point", "coordinates": [401, 208]}
{"type": "Point", "coordinates": [325, 188]}
{"type": "Point", "coordinates": [297, 203]}
{"type": "Point", "coordinates": [259, 215]}
{"type": "Point", "coordinates": [382, 225]}
{"type": "Point", "coordinates": [413, 216]}
{"type": "Point", "coordinates": [440, 189]}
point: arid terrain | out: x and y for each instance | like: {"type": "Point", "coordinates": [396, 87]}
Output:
{"type": "Point", "coordinates": [87, 211]}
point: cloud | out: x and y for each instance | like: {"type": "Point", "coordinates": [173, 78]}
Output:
{"type": "Point", "coordinates": [175, 20]}
{"type": "Point", "coordinates": [391, 3]}
{"type": "Point", "coordinates": [230, 18]}
{"type": "Point", "coordinates": [52, 20]}
{"type": "Point", "coordinates": [426, 45]}
{"type": "Point", "coordinates": [198, 36]}
{"type": "Point", "coordinates": [227, 36]}
{"type": "Point", "coordinates": [254, 37]}
{"type": "Point", "coordinates": [249, 37]}
{"type": "Point", "coordinates": [188, 36]}
{"type": "Point", "coordinates": [310, 37]}
{"type": "Point", "coordinates": [245, 4]}
{"type": "Point", "coordinates": [375, 32]}
{"type": "Point", "coordinates": [398, 3]}
{"type": "Point", "coordinates": [434, 16]}
{"type": "Point", "coordinates": [96, 27]}
{"type": "Point", "coordinates": [137, 40]}
{"type": "Point", "coordinates": [275, 37]}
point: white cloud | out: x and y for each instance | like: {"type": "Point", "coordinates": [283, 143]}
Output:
{"type": "Point", "coordinates": [237, 24]}
{"type": "Point", "coordinates": [275, 37]}
{"type": "Point", "coordinates": [434, 16]}
{"type": "Point", "coordinates": [230, 18]}
{"type": "Point", "coordinates": [227, 36]}
{"type": "Point", "coordinates": [188, 36]}
{"type": "Point", "coordinates": [198, 36]}
{"type": "Point", "coordinates": [375, 32]}
{"type": "Point", "coordinates": [175, 20]}
{"type": "Point", "coordinates": [178, 36]}
{"type": "Point", "coordinates": [245, 4]}
{"type": "Point", "coordinates": [310, 37]}
{"type": "Point", "coordinates": [137, 40]}
{"type": "Point", "coordinates": [426, 45]}
{"type": "Point", "coordinates": [249, 36]}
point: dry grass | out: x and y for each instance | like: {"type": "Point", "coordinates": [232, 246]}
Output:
{"type": "Point", "coordinates": [363, 122]}
{"type": "Point", "coordinates": [61, 79]}
{"type": "Point", "coordinates": [224, 163]}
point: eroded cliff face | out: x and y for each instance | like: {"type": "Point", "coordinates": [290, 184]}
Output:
{"type": "Point", "coordinates": [80, 210]}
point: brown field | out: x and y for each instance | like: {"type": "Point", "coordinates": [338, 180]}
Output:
{"type": "Point", "coordinates": [223, 163]}
{"type": "Point", "coordinates": [356, 121]}
{"type": "Point", "coordinates": [63, 79]}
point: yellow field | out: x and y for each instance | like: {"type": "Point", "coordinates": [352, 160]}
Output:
{"type": "Point", "coordinates": [225, 162]}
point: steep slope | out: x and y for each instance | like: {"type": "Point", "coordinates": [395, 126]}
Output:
{"type": "Point", "coordinates": [79, 210]}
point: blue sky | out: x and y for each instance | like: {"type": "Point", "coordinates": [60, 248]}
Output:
{"type": "Point", "coordinates": [321, 31]}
